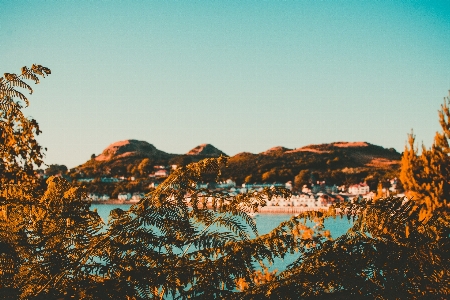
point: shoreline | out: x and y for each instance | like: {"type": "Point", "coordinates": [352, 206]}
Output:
{"type": "Point", "coordinates": [288, 209]}
{"type": "Point", "coordinates": [114, 201]}
{"type": "Point", "coordinates": [261, 210]}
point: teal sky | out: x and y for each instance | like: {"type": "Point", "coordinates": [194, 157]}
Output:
{"type": "Point", "coordinates": [241, 75]}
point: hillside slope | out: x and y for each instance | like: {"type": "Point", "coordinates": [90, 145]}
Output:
{"type": "Point", "coordinates": [339, 162]}
{"type": "Point", "coordinates": [206, 150]}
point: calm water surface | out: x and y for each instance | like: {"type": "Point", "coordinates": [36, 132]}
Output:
{"type": "Point", "coordinates": [264, 222]}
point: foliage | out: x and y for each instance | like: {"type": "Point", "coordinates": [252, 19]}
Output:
{"type": "Point", "coordinates": [426, 177]}
{"type": "Point", "coordinates": [19, 150]}
{"type": "Point", "coordinates": [47, 243]}
{"type": "Point", "coordinates": [389, 253]}
{"type": "Point", "coordinates": [194, 246]}
{"type": "Point", "coordinates": [301, 179]}
{"type": "Point", "coordinates": [189, 243]}
{"type": "Point", "coordinates": [200, 244]}
{"type": "Point", "coordinates": [145, 167]}
{"type": "Point", "coordinates": [56, 170]}
{"type": "Point", "coordinates": [398, 248]}
{"type": "Point", "coordinates": [54, 246]}
{"type": "Point", "coordinates": [113, 189]}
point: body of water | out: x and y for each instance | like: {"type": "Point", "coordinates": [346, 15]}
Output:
{"type": "Point", "coordinates": [265, 222]}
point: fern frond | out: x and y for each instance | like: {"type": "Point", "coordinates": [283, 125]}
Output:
{"type": "Point", "coordinates": [14, 80]}
{"type": "Point", "coordinates": [40, 70]}
{"type": "Point", "coordinates": [11, 92]}
{"type": "Point", "coordinates": [28, 74]}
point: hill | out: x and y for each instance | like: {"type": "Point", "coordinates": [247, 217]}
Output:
{"type": "Point", "coordinates": [339, 162]}
{"type": "Point", "coordinates": [130, 148]}
{"type": "Point", "coordinates": [206, 150]}
{"type": "Point", "coordinates": [122, 159]}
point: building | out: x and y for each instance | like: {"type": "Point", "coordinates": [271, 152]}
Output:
{"type": "Point", "coordinates": [359, 189]}
{"type": "Point", "coordinates": [85, 179]}
{"type": "Point", "coordinates": [124, 196]}
{"type": "Point", "coordinates": [226, 184]}
{"type": "Point", "coordinates": [162, 173]}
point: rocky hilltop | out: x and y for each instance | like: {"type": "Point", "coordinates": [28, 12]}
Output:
{"type": "Point", "coordinates": [206, 150]}
{"type": "Point", "coordinates": [129, 148]}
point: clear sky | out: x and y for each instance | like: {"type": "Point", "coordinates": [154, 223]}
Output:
{"type": "Point", "coordinates": [241, 75]}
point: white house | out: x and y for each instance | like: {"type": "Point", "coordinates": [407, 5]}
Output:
{"type": "Point", "coordinates": [305, 189]}
{"type": "Point", "coordinates": [202, 185]}
{"type": "Point", "coordinates": [162, 173]}
{"type": "Point", "coordinates": [124, 196]}
{"type": "Point", "coordinates": [370, 195]}
{"type": "Point", "coordinates": [97, 197]}
{"type": "Point", "coordinates": [307, 200]}
{"type": "Point", "coordinates": [359, 189]}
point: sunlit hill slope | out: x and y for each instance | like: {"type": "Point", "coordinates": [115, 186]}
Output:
{"type": "Point", "coordinates": [338, 162]}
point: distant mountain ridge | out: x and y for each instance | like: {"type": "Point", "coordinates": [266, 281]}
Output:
{"type": "Point", "coordinates": [122, 158]}
{"type": "Point", "coordinates": [132, 147]}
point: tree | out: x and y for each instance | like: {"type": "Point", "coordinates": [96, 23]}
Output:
{"type": "Point", "coordinates": [42, 236]}
{"type": "Point", "coordinates": [192, 243]}
{"type": "Point", "coordinates": [248, 179]}
{"type": "Point", "coordinates": [301, 179]}
{"type": "Point", "coordinates": [176, 237]}
{"type": "Point", "coordinates": [56, 170]}
{"type": "Point", "coordinates": [145, 167]}
{"type": "Point", "coordinates": [47, 242]}
{"type": "Point", "coordinates": [389, 253]}
{"type": "Point", "coordinates": [269, 176]}
{"type": "Point", "coordinates": [164, 245]}
{"type": "Point", "coordinates": [19, 150]}
{"type": "Point", "coordinates": [397, 247]}
{"type": "Point", "coordinates": [426, 176]}
{"type": "Point", "coordinates": [169, 244]}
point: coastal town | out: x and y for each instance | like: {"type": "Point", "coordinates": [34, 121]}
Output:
{"type": "Point", "coordinates": [311, 196]}
{"type": "Point", "coordinates": [316, 175]}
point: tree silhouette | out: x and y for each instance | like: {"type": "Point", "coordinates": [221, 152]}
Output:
{"type": "Point", "coordinates": [426, 177]}
{"type": "Point", "coordinates": [19, 150]}
{"type": "Point", "coordinates": [389, 253]}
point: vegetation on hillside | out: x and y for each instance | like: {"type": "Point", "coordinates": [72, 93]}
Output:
{"type": "Point", "coordinates": [337, 163]}
{"type": "Point", "coordinates": [175, 244]}
{"type": "Point", "coordinates": [326, 162]}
